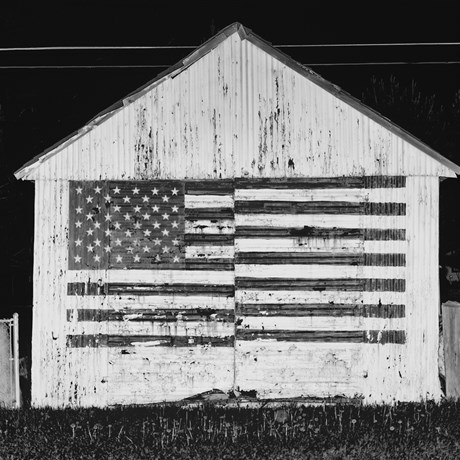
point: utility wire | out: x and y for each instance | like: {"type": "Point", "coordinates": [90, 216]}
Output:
{"type": "Point", "coordinates": [167, 47]}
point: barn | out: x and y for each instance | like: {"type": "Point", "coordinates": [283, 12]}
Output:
{"type": "Point", "coordinates": [240, 224]}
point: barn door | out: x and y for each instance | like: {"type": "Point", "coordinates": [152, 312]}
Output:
{"type": "Point", "coordinates": [10, 393]}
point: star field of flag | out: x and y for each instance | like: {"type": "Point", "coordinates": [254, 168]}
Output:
{"type": "Point", "coordinates": [126, 225]}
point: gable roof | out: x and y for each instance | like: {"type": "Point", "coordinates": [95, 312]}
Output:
{"type": "Point", "coordinates": [205, 48]}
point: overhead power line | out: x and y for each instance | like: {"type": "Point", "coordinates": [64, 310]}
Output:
{"type": "Point", "coordinates": [169, 47]}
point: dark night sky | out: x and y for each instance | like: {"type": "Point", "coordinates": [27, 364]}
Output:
{"type": "Point", "coordinates": [38, 107]}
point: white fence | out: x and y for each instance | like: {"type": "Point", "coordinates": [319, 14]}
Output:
{"type": "Point", "coordinates": [10, 393]}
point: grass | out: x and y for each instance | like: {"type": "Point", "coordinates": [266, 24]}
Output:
{"type": "Point", "coordinates": [412, 431]}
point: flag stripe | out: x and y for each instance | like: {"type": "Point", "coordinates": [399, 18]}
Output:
{"type": "Point", "coordinates": [209, 187]}
{"type": "Point", "coordinates": [315, 284]}
{"type": "Point", "coordinates": [209, 239]}
{"type": "Point", "coordinates": [208, 213]}
{"type": "Point", "coordinates": [106, 340]}
{"type": "Point", "coordinates": [321, 309]}
{"type": "Point", "coordinates": [372, 336]}
{"type": "Point", "coordinates": [320, 207]}
{"type": "Point", "coordinates": [328, 258]}
{"type": "Point", "coordinates": [208, 201]}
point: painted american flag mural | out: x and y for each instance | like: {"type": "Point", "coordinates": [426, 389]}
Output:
{"type": "Point", "coordinates": [284, 255]}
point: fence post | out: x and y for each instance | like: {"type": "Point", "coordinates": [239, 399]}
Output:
{"type": "Point", "coordinates": [16, 359]}
{"type": "Point", "coordinates": [451, 337]}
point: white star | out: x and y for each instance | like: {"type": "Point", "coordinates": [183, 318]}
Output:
{"type": "Point", "coordinates": [126, 199]}
{"type": "Point", "coordinates": [136, 242]}
{"type": "Point", "coordinates": [146, 216]}
{"type": "Point", "coordinates": [146, 249]}
{"type": "Point", "coordinates": [97, 189]}
{"type": "Point", "coordinates": [119, 258]}
{"type": "Point", "coordinates": [156, 242]}
{"type": "Point", "coordinates": [165, 249]}
{"type": "Point", "coordinates": [98, 207]}
{"type": "Point", "coordinates": [129, 249]}
{"type": "Point", "coordinates": [78, 242]}
{"type": "Point", "coordinates": [107, 248]}
{"type": "Point", "coordinates": [89, 199]}
{"type": "Point", "coordinates": [158, 258]}
{"type": "Point", "coordinates": [137, 258]}
{"type": "Point", "coordinates": [116, 208]}
{"type": "Point", "coordinates": [118, 242]}
{"type": "Point", "coordinates": [147, 232]}
{"type": "Point", "coordinates": [107, 198]}
{"type": "Point", "coordinates": [175, 209]}
{"type": "Point", "coordinates": [79, 210]}
{"type": "Point", "coordinates": [156, 225]}
{"type": "Point", "coordinates": [176, 259]}
{"type": "Point", "coordinates": [128, 233]}
{"type": "Point", "coordinates": [90, 248]}
{"type": "Point", "coordinates": [155, 191]}
{"type": "Point", "coordinates": [89, 231]}
{"type": "Point", "coordinates": [78, 224]}
{"type": "Point", "coordinates": [174, 224]}
{"type": "Point", "coordinates": [127, 216]}
{"type": "Point", "coordinates": [108, 217]}
{"type": "Point", "coordinates": [175, 241]}
{"type": "Point", "coordinates": [116, 189]}
{"type": "Point", "coordinates": [108, 232]}
{"type": "Point", "coordinates": [97, 242]}
{"type": "Point", "coordinates": [137, 225]}
{"type": "Point", "coordinates": [165, 216]}
{"type": "Point", "coordinates": [174, 191]}
{"type": "Point", "coordinates": [89, 216]}
{"type": "Point", "coordinates": [97, 258]}
{"type": "Point", "coordinates": [137, 208]}
{"type": "Point", "coordinates": [117, 225]}
{"type": "Point", "coordinates": [135, 191]}
{"type": "Point", "coordinates": [79, 190]}
{"type": "Point", "coordinates": [155, 208]}
{"type": "Point", "coordinates": [97, 225]}
{"type": "Point", "coordinates": [77, 258]}
{"type": "Point", "coordinates": [145, 199]}
{"type": "Point", "coordinates": [165, 199]}
{"type": "Point", "coordinates": [165, 232]}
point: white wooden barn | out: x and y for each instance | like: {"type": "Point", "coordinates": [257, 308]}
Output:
{"type": "Point", "coordinates": [236, 223]}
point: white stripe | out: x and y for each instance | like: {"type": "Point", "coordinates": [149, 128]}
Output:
{"type": "Point", "coordinates": [154, 276]}
{"type": "Point", "coordinates": [206, 226]}
{"type": "Point", "coordinates": [209, 252]}
{"type": "Point", "coordinates": [209, 201]}
{"type": "Point", "coordinates": [321, 323]}
{"type": "Point", "coordinates": [298, 244]}
{"type": "Point", "coordinates": [260, 271]}
{"type": "Point", "coordinates": [181, 302]}
{"type": "Point", "coordinates": [308, 297]}
{"type": "Point", "coordinates": [316, 244]}
{"type": "Point", "coordinates": [126, 328]}
{"type": "Point", "coordinates": [319, 220]}
{"type": "Point", "coordinates": [353, 195]}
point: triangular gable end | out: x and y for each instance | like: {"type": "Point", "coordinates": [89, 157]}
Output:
{"type": "Point", "coordinates": [264, 150]}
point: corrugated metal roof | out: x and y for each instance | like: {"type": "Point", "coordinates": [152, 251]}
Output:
{"type": "Point", "coordinates": [212, 43]}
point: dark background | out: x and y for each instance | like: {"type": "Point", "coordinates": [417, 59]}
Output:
{"type": "Point", "coordinates": [40, 106]}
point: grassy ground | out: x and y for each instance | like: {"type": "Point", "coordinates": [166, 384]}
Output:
{"type": "Point", "coordinates": [412, 431]}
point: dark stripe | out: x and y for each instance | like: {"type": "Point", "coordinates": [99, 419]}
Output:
{"type": "Point", "coordinates": [323, 182]}
{"type": "Point", "coordinates": [381, 337]}
{"type": "Point", "coordinates": [380, 234]}
{"type": "Point", "coordinates": [384, 181]}
{"type": "Point", "coordinates": [209, 264]}
{"type": "Point", "coordinates": [331, 284]}
{"type": "Point", "coordinates": [321, 258]}
{"type": "Point", "coordinates": [306, 231]}
{"type": "Point", "coordinates": [102, 340]}
{"type": "Point", "coordinates": [168, 315]}
{"type": "Point", "coordinates": [385, 209]}
{"type": "Point", "coordinates": [149, 289]}
{"type": "Point", "coordinates": [320, 207]}
{"type": "Point", "coordinates": [305, 183]}
{"type": "Point", "coordinates": [321, 309]}
{"type": "Point", "coordinates": [208, 240]}
{"type": "Point", "coordinates": [208, 213]}
{"type": "Point", "coordinates": [210, 187]}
